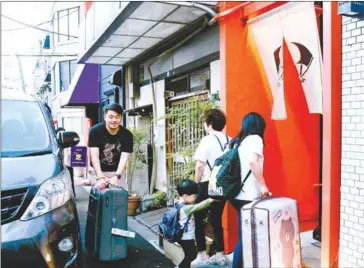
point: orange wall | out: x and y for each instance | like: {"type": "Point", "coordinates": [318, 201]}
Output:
{"type": "Point", "coordinates": [292, 146]}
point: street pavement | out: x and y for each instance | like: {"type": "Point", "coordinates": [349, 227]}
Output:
{"type": "Point", "coordinates": [141, 254]}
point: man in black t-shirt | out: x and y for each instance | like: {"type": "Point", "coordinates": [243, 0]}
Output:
{"type": "Point", "coordinates": [110, 146]}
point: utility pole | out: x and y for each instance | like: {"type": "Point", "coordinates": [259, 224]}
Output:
{"type": "Point", "coordinates": [20, 72]}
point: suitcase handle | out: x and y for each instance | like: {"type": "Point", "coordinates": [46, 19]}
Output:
{"type": "Point", "coordinates": [253, 227]}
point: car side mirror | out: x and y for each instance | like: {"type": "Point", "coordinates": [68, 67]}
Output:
{"type": "Point", "coordinates": [68, 138]}
{"type": "Point", "coordinates": [59, 130]}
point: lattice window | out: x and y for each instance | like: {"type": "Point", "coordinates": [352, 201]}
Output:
{"type": "Point", "coordinates": [185, 130]}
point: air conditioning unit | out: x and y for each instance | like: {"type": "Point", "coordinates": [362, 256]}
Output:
{"type": "Point", "coordinates": [168, 94]}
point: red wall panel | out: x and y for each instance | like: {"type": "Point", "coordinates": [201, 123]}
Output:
{"type": "Point", "coordinates": [292, 146]}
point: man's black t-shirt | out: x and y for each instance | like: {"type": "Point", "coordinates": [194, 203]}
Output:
{"type": "Point", "coordinates": [110, 146]}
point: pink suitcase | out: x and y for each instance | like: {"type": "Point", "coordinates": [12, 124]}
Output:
{"type": "Point", "coordinates": [271, 236]}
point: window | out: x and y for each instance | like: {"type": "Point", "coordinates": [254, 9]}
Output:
{"type": "Point", "coordinates": [67, 70]}
{"type": "Point", "coordinates": [200, 80]}
{"type": "Point", "coordinates": [195, 81]}
{"type": "Point", "coordinates": [65, 24]}
{"type": "Point", "coordinates": [179, 85]}
{"type": "Point", "coordinates": [23, 128]}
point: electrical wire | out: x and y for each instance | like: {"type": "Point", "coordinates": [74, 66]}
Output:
{"type": "Point", "coordinates": [37, 28]}
{"type": "Point", "coordinates": [39, 24]}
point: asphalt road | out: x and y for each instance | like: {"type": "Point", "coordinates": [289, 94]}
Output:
{"type": "Point", "coordinates": [141, 254]}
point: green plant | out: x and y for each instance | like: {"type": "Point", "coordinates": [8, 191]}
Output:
{"type": "Point", "coordinates": [186, 130]}
{"type": "Point", "coordinates": [160, 199]}
{"type": "Point", "coordinates": [138, 159]}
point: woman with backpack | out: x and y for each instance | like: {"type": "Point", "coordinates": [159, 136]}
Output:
{"type": "Point", "coordinates": [250, 143]}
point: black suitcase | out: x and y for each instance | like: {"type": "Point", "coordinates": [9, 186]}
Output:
{"type": "Point", "coordinates": [107, 209]}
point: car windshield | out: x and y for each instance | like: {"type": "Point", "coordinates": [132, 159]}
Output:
{"type": "Point", "coordinates": [24, 130]}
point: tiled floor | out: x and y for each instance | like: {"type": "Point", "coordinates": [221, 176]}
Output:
{"type": "Point", "coordinates": [311, 252]}
{"type": "Point", "coordinates": [151, 219]}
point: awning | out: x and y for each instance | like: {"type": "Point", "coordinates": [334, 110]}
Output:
{"type": "Point", "coordinates": [140, 111]}
{"type": "Point", "coordinates": [84, 87]}
{"type": "Point", "coordinates": [117, 78]}
{"type": "Point", "coordinates": [139, 27]}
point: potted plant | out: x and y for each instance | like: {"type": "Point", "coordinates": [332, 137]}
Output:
{"type": "Point", "coordinates": [160, 200]}
{"type": "Point", "coordinates": [136, 161]}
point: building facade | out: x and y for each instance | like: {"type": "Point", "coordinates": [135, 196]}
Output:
{"type": "Point", "coordinates": [352, 150]}
{"type": "Point", "coordinates": [222, 58]}
{"type": "Point", "coordinates": [187, 70]}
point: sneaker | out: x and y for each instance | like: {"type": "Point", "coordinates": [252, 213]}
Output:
{"type": "Point", "coordinates": [220, 261]}
{"type": "Point", "coordinates": [199, 261]}
{"type": "Point", "coordinates": [230, 258]}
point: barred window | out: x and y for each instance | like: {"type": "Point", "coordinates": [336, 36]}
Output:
{"type": "Point", "coordinates": [65, 24]}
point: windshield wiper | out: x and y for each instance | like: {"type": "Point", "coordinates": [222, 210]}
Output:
{"type": "Point", "coordinates": [35, 153]}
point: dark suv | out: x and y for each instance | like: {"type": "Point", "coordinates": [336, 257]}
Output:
{"type": "Point", "coordinates": [39, 221]}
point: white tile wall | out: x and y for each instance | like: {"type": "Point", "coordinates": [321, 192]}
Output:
{"type": "Point", "coordinates": [352, 164]}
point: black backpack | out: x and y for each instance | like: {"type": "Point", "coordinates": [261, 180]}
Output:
{"type": "Point", "coordinates": [170, 228]}
{"type": "Point", "coordinates": [226, 176]}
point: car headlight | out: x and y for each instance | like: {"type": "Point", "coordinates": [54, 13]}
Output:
{"type": "Point", "coordinates": [52, 193]}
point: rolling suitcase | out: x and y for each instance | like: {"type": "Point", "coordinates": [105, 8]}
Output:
{"type": "Point", "coordinates": [107, 210]}
{"type": "Point", "coordinates": [271, 235]}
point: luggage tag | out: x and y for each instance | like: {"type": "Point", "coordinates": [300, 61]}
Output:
{"type": "Point", "coordinates": [117, 231]}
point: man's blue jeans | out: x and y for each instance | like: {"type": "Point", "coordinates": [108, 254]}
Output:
{"type": "Point", "coordinates": [238, 252]}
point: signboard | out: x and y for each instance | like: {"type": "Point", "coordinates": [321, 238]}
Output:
{"type": "Point", "coordinates": [79, 156]}
{"type": "Point", "coordinates": [351, 8]}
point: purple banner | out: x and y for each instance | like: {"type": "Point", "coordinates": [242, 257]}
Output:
{"type": "Point", "coordinates": [79, 156]}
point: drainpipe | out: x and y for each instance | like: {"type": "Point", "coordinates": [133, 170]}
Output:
{"type": "Point", "coordinates": [215, 17]}
{"type": "Point", "coordinates": [227, 12]}
{"type": "Point", "coordinates": [123, 85]}
{"type": "Point", "coordinates": [167, 52]}
{"type": "Point", "coordinates": [197, 5]}
{"type": "Point", "coordinates": [116, 95]}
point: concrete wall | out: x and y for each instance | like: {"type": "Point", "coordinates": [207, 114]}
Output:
{"type": "Point", "coordinates": [352, 165]}
{"type": "Point", "coordinates": [141, 181]}
{"type": "Point", "coordinates": [159, 129]}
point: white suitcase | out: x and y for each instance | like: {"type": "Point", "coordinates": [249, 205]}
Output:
{"type": "Point", "coordinates": [271, 236]}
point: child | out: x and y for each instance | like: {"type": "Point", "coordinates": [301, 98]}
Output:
{"type": "Point", "coordinates": [187, 190]}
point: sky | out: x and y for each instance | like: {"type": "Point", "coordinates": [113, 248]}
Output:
{"type": "Point", "coordinates": [25, 41]}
